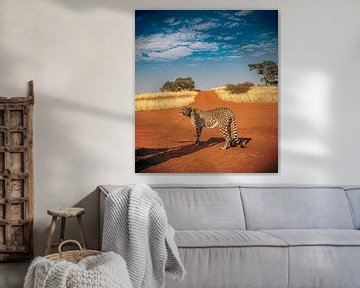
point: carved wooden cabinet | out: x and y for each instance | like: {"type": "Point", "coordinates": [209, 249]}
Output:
{"type": "Point", "coordinates": [16, 177]}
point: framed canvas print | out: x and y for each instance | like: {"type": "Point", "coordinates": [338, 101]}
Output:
{"type": "Point", "coordinates": [206, 98]}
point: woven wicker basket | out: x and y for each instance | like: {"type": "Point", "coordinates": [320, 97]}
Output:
{"type": "Point", "coordinates": [72, 256]}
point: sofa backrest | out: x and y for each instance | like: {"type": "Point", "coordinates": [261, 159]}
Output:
{"type": "Point", "coordinates": [296, 208]}
{"type": "Point", "coordinates": [231, 207]}
{"type": "Point", "coordinates": [203, 208]}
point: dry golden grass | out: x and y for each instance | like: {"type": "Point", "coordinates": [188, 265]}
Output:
{"type": "Point", "coordinates": [163, 100]}
{"type": "Point", "coordinates": [256, 94]}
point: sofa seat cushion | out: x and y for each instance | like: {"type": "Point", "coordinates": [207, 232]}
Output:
{"type": "Point", "coordinates": [225, 238]}
{"type": "Point", "coordinates": [317, 237]}
{"type": "Point", "coordinates": [233, 267]}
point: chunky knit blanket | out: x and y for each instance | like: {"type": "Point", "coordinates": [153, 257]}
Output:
{"type": "Point", "coordinates": [136, 227]}
{"type": "Point", "coordinates": [102, 271]}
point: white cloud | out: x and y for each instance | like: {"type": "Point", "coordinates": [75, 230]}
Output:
{"type": "Point", "coordinates": [223, 14]}
{"type": "Point", "coordinates": [243, 13]}
{"type": "Point", "coordinates": [171, 46]}
{"type": "Point", "coordinates": [251, 46]}
{"type": "Point", "coordinates": [232, 24]}
{"type": "Point", "coordinates": [163, 41]}
{"type": "Point", "coordinates": [228, 46]}
{"type": "Point", "coordinates": [263, 46]}
{"type": "Point", "coordinates": [226, 57]}
{"type": "Point", "coordinates": [172, 21]}
{"type": "Point", "coordinates": [194, 36]}
{"type": "Point", "coordinates": [233, 57]}
{"type": "Point", "coordinates": [169, 20]}
{"type": "Point", "coordinates": [204, 26]}
{"type": "Point", "coordinates": [258, 54]}
{"type": "Point", "coordinates": [204, 46]}
{"type": "Point", "coordinates": [196, 20]}
{"type": "Point", "coordinates": [265, 35]}
{"type": "Point", "coordinates": [170, 54]}
{"type": "Point", "coordinates": [237, 19]}
{"type": "Point", "coordinates": [227, 38]}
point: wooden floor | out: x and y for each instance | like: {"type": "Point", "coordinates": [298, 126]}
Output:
{"type": "Point", "coordinates": [12, 274]}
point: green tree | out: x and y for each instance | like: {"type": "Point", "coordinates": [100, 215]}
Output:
{"type": "Point", "coordinates": [168, 86]}
{"type": "Point", "coordinates": [268, 71]}
{"type": "Point", "coordinates": [180, 84]}
{"type": "Point", "coordinates": [185, 83]}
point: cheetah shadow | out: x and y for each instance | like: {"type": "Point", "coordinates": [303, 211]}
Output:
{"type": "Point", "coordinates": [148, 157]}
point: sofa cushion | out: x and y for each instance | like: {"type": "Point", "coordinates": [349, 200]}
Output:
{"type": "Point", "coordinates": [322, 258]}
{"type": "Point", "coordinates": [324, 266]}
{"type": "Point", "coordinates": [296, 208]}
{"type": "Point", "coordinates": [226, 238]}
{"type": "Point", "coordinates": [206, 208]}
{"type": "Point", "coordinates": [317, 237]}
{"type": "Point", "coordinates": [220, 267]}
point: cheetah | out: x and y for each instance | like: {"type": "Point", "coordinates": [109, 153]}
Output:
{"type": "Point", "coordinates": [222, 117]}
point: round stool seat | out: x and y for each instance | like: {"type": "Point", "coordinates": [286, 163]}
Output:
{"type": "Point", "coordinates": [66, 211]}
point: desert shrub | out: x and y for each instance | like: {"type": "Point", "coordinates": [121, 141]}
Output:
{"type": "Point", "coordinates": [248, 84]}
{"type": "Point", "coordinates": [180, 84]}
{"type": "Point", "coordinates": [239, 88]}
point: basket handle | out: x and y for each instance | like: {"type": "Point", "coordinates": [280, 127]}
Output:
{"type": "Point", "coordinates": [69, 241]}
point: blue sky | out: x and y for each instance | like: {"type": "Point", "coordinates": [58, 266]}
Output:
{"type": "Point", "coordinates": [214, 47]}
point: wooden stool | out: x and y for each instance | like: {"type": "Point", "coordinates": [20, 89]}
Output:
{"type": "Point", "coordinates": [64, 213]}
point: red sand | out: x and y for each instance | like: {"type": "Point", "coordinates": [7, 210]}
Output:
{"type": "Point", "coordinates": [165, 140]}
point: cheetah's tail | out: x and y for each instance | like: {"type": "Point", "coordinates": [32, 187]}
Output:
{"type": "Point", "coordinates": [236, 140]}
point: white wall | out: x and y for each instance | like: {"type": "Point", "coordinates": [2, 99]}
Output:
{"type": "Point", "coordinates": [80, 53]}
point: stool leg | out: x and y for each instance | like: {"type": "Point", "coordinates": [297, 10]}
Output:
{"type": "Point", "coordinates": [62, 231]}
{"type": "Point", "coordinates": [51, 235]}
{"type": "Point", "coordinates": [82, 232]}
